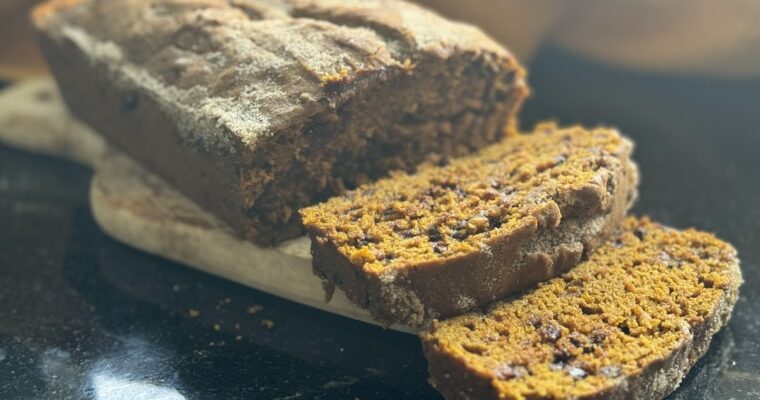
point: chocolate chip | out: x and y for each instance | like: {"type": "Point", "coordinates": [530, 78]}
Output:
{"type": "Point", "coordinates": [434, 234]}
{"type": "Point", "coordinates": [610, 371]}
{"type": "Point", "coordinates": [364, 241]}
{"type": "Point", "coordinates": [459, 235]}
{"type": "Point", "coordinates": [561, 355]}
{"type": "Point", "coordinates": [495, 222]}
{"type": "Point", "coordinates": [588, 309]}
{"type": "Point", "coordinates": [624, 328]}
{"type": "Point", "coordinates": [703, 254]}
{"type": "Point", "coordinates": [639, 232]}
{"type": "Point", "coordinates": [449, 185]}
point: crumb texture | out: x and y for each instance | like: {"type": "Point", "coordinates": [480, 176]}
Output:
{"type": "Point", "coordinates": [444, 212]}
{"type": "Point", "coordinates": [631, 310]}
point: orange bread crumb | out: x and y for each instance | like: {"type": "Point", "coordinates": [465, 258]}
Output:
{"type": "Point", "coordinates": [516, 213]}
{"type": "Point", "coordinates": [640, 311]}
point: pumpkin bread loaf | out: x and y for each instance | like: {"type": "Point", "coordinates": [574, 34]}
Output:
{"type": "Point", "coordinates": [255, 108]}
{"type": "Point", "coordinates": [450, 238]}
{"type": "Point", "coordinates": [628, 323]}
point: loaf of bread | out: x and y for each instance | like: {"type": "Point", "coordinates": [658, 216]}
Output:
{"type": "Point", "coordinates": [628, 323]}
{"type": "Point", "coordinates": [450, 238]}
{"type": "Point", "coordinates": [255, 108]}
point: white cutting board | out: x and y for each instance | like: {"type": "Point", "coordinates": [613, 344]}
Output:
{"type": "Point", "coordinates": [141, 210]}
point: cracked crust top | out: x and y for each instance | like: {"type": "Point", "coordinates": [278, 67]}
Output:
{"type": "Point", "coordinates": [232, 71]}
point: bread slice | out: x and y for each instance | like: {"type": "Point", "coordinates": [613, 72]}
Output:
{"type": "Point", "coordinates": [256, 108]}
{"type": "Point", "coordinates": [450, 238]}
{"type": "Point", "coordinates": [628, 323]}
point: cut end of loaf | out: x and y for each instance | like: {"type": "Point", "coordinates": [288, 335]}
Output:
{"type": "Point", "coordinates": [457, 209]}
{"type": "Point", "coordinates": [631, 319]}
{"type": "Point", "coordinates": [450, 238]}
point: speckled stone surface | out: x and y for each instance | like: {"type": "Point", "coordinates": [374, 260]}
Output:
{"type": "Point", "coordinates": [84, 317]}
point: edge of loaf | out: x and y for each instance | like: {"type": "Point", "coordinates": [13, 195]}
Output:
{"type": "Point", "coordinates": [256, 108]}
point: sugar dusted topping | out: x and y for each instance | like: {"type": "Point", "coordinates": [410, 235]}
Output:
{"type": "Point", "coordinates": [232, 71]}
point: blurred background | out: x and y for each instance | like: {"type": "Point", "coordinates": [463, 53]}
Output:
{"type": "Point", "coordinates": [719, 38]}
{"type": "Point", "coordinates": [682, 77]}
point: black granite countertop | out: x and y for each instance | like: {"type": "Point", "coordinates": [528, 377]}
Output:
{"type": "Point", "coordinates": [85, 317]}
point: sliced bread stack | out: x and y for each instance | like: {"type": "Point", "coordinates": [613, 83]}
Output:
{"type": "Point", "coordinates": [626, 323]}
{"type": "Point", "coordinates": [630, 309]}
{"type": "Point", "coordinates": [415, 247]}
{"type": "Point", "coordinates": [257, 109]}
